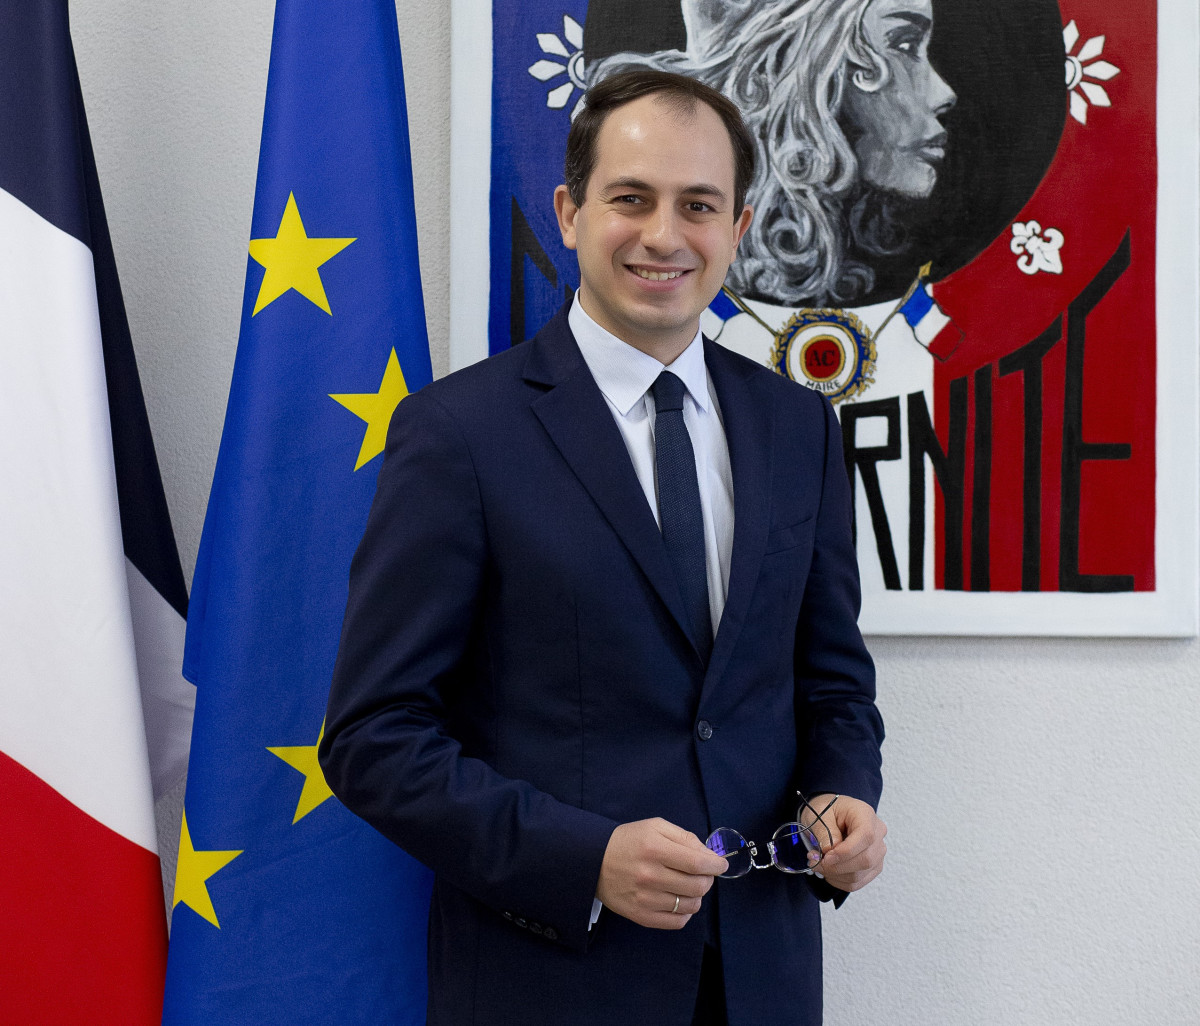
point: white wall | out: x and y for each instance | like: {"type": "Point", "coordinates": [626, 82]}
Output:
{"type": "Point", "coordinates": [1043, 796]}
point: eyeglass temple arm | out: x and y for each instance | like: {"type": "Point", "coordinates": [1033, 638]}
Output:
{"type": "Point", "coordinates": [805, 803]}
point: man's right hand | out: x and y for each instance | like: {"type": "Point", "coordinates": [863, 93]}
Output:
{"type": "Point", "coordinates": [650, 862]}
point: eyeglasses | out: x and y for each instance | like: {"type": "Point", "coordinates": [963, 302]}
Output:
{"type": "Point", "coordinates": [795, 847]}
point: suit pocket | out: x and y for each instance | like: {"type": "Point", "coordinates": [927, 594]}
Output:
{"type": "Point", "coordinates": [784, 538]}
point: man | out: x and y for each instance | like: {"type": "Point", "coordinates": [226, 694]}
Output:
{"type": "Point", "coordinates": [600, 610]}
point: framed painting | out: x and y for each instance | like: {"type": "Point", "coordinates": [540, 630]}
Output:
{"type": "Point", "coordinates": [975, 232]}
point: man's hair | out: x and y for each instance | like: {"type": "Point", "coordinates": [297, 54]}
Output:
{"type": "Point", "coordinates": [682, 94]}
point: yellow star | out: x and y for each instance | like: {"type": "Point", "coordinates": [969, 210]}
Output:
{"type": "Point", "coordinates": [291, 260]}
{"type": "Point", "coordinates": [304, 759]}
{"type": "Point", "coordinates": [193, 870]}
{"type": "Point", "coordinates": [376, 408]}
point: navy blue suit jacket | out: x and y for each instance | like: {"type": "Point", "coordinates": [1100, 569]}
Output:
{"type": "Point", "coordinates": [515, 679]}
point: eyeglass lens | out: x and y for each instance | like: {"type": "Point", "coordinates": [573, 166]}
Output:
{"type": "Point", "coordinates": [792, 846]}
{"type": "Point", "coordinates": [733, 847]}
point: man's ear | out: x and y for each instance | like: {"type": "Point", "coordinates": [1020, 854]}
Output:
{"type": "Point", "coordinates": [740, 226]}
{"type": "Point", "coordinates": [565, 209]}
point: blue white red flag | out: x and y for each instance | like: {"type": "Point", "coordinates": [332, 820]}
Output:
{"type": "Point", "coordinates": [94, 713]}
{"type": "Point", "coordinates": [931, 325]}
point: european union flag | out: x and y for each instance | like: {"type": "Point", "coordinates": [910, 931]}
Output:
{"type": "Point", "coordinates": [287, 907]}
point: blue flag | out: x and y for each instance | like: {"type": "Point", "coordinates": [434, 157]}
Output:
{"type": "Point", "coordinates": [288, 908]}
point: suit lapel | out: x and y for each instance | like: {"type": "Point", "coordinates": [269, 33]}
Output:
{"type": "Point", "coordinates": [580, 424]}
{"type": "Point", "coordinates": [748, 418]}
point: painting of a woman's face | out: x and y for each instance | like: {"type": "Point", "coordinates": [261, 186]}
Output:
{"type": "Point", "coordinates": [897, 133]}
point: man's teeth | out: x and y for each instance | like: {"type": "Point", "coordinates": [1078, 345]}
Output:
{"type": "Point", "coordinates": [657, 275]}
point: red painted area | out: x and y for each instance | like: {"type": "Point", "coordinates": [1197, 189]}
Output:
{"type": "Point", "coordinates": [85, 937]}
{"type": "Point", "coordinates": [1102, 184]}
{"type": "Point", "coordinates": [823, 358]}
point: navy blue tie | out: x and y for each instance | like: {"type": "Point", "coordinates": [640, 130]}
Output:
{"type": "Point", "coordinates": [679, 504]}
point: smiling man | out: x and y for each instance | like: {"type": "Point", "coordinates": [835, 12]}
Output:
{"type": "Point", "coordinates": [601, 610]}
{"type": "Point", "coordinates": [654, 212]}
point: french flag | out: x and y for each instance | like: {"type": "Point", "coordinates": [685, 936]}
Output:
{"type": "Point", "coordinates": [714, 316]}
{"type": "Point", "coordinates": [930, 323]}
{"type": "Point", "coordinates": [92, 598]}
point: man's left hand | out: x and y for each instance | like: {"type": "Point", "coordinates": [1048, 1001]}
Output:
{"type": "Point", "coordinates": [856, 857]}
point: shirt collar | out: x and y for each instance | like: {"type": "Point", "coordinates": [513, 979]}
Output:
{"type": "Point", "coordinates": [624, 374]}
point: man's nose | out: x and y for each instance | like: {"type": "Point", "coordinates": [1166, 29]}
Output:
{"type": "Point", "coordinates": [660, 232]}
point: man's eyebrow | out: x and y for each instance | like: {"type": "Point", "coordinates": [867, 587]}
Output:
{"type": "Point", "coordinates": [627, 183]}
{"type": "Point", "coordinates": [699, 189]}
{"type": "Point", "coordinates": [704, 189]}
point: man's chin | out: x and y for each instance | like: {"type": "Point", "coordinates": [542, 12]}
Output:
{"type": "Point", "coordinates": [662, 329]}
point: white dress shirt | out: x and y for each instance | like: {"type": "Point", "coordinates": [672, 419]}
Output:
{"type": "Point", "coordinates": [624, 375]}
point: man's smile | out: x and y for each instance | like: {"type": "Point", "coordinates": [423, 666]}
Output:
{"type": "Point", "coordinates": [651, 275]}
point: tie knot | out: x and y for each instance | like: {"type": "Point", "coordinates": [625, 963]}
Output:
{"type": "Point", "coordinates": [668, 392]}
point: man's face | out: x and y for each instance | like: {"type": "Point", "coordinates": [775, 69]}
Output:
{"type": "Point", "coordinates": [656, 231]}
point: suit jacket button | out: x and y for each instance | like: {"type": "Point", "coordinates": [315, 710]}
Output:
{"type": "Point", "coordinates": [522, 923]}
{"type": "Point", "coordinates": [550, 933]}
{"type": "Point", "coordinates": [535, 927]}
{"type": "Point", "coordinates": [704, 729]}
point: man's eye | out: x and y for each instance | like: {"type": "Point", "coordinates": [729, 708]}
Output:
{"type": "Point", "coordinates": [697, 207]}
{"type": "Point", "coordinates": [628, 199]}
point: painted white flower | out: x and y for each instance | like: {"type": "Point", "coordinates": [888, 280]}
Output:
{"type": "Point", "coordinates": [1037, 249]}
{"type": "Point", "coordinates": [571, 52]}
{"type": "Point", "coordinates": [1079, 70]}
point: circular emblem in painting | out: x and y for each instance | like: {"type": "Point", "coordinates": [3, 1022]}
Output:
{"type": "Point", "coordinates": [828, 351]}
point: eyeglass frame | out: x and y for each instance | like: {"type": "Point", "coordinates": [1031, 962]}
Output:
{"type": "Point", "coordinates": [771, 850]}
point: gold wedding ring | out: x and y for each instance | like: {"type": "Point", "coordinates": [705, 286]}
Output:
{"type": "Point", "coordinates": [676, 908]}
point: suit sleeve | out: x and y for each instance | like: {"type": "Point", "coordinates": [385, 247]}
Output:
{"type": "Point", "coordinates": [839, 728]}
{"type": "Point", "coordinates": [412, 636]}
